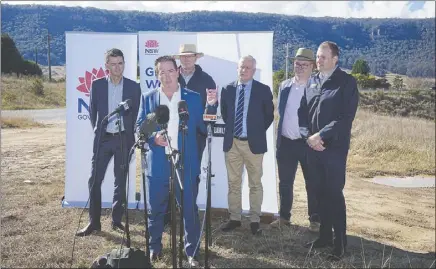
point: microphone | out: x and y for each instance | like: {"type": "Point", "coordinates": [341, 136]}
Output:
{"type": "Point", "coordinates": [122, 107]}
{"type": "Point", "coordinates": [183, 111]}
{"type": "Point", "coordinates": [148, 126]}
{"type": "Point", "coordinates": [162, 113]}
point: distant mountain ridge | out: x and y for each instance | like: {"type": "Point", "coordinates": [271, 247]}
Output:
{"type": "Point", "coordinates": [403, 46]}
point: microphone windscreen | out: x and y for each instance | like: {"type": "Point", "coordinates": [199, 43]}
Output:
{"type": "Point", "coordinates": [149, 125]}
{"type": "Point", "coordinates": [162, 114]}
{"type": "Point", "coordinates": [182, 106]}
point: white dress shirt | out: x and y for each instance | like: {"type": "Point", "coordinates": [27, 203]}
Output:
{"type": "Point", "coordinates": [290, 126]}
{"type": "Point", "coordinates": [173, 123]}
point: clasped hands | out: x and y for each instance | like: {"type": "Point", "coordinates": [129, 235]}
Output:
{"type": "Point", "coordinates": [315, 142]}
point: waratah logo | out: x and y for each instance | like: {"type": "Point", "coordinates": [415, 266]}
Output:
{"type": "Point", "coordinates": [151, 44]}
{"type": "Point", "coordinates": [86, 81]}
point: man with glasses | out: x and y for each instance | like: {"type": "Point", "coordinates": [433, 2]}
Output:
{"type": "Point", "coordinates": [291, 147]}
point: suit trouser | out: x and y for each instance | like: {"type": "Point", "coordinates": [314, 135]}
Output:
{"type": "Point", "coordinates": [238, 156]}
{"type": "Point", "coordinates": [110, 145]}
{"type": "Point", "coordinates": [329, 166]}
{"type": "Point", "coordinates": [157, 202]}
{"type": "Point", "coordinates": [201, 144]}
{"type": "Point", "coordinates": [289, 154]}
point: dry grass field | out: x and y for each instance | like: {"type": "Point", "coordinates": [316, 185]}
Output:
{"type": "Point", "coordinates": [388, 227]}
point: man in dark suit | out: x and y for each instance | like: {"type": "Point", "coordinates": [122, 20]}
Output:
{"type": "Point", "coordinates": [106, 94]}
{"type": "Point", "coordinates": [291, 147]}
{"type": "Point", "coordinates": [247, 109]}
{"type": "Point", "coordinates": [158, 166]}
{"type": "Point", "coordinates": [326, 114]}
{"type": "Point", "coordinates": [193, 77]}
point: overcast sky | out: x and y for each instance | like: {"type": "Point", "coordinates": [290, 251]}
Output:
{"type": "Point", "coordinates": [345, 9]}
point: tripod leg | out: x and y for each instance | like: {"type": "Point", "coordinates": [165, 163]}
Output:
{"type": "Point", "coordinates": [147, 236]}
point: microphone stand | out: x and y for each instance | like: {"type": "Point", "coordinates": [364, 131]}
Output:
{"type": "Point", "coordinates": [208, 236]}
{"type": "Point", "coordinates": [140, 144]}
{"type": "Point", "coordinates": [184, 128]}
{"type": "Point", "coordinates": [173, 175]}
{"type": "Point", "coordinates": [125, 171]}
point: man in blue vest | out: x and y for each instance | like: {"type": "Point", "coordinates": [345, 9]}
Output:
{"type": "Point", "coordinates": [158, 166]}
{"type": "Point", "coordinates": [291, 147]}
{"type": "Point", "coordinates": [326, 114]}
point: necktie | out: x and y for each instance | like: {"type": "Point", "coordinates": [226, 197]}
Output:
{"type": "Point", "coordinates": [240, 112]}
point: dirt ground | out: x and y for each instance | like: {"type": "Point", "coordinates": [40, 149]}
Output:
{"type": "Point", "coordinates": [387, 227]}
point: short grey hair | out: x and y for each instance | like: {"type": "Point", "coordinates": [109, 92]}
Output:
{"type": "Point", "coordinates": [250, 58]}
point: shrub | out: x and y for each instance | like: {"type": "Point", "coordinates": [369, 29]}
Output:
{"type": "Point", "coordinates": [37, 87]}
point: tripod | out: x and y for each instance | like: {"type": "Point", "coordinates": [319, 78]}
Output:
{"type": "Point", "coordinates": [208, 236]}
{"type": "Point", "coordinates": [172, 157]}
{"type": "Point", "coordinates": [140, 144]}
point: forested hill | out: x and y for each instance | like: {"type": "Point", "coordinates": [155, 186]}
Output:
{"type": "Point", "coordinates": [404, 46]}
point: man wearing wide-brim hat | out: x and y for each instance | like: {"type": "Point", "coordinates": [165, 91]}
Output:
{"type": "Point", "coordinates": [291, 147]}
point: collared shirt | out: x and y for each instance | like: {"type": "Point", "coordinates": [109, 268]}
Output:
{"type": "Point", "coordinates": [324, 76]}
{"type": "Point", "coordinates": [290, 126]}
{"type": "Point", "coordinates": [187, 77]}
{"type": "Point", "coordinates": [173, 123]}
{"type": "Point", "coordinates": [115, 97]}
{"type": "Point", "coordinates": [247, 94]}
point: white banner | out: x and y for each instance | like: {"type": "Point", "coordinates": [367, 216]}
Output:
{"type": "Point", "coordinates": [222, 52]}
{"type": "Point", "coordinates": [85, 62]}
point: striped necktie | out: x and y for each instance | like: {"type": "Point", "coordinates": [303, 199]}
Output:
{"type": "Point", "coordinates": [240, 112]}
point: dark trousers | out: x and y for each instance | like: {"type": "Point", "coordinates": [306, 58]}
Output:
{"type": "Point", "coordinates": [329, 166]}
{"type": "Point", "coordinates": [289, 154]}
{"type": "Point", "coordinates": [110, 145]}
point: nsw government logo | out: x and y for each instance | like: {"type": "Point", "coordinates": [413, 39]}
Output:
{"type": "Point", "coordinates": [85, 87]}
{"type": "Point", "coordinates": [151, 47]}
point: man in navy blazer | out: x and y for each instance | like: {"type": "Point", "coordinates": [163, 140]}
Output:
{"type": "Point", "coordinates": [247, 109]}
{"type": "Point", "coordinates": [158, 166]}
{"type": "Point", "coordinates": [326, 115]}
{"type": "Point", "coordinates": [106, 94]}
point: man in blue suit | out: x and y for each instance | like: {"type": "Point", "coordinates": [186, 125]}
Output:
{"type": "Point", "coordinates": [247, 109]}
{"type": "Point", "coordinates": [106, 94]}
{"type": "Point", "coordinates": [158, 166]}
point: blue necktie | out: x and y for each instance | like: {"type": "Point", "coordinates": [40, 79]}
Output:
{"type": "Point", "coordinates": [240, 112]}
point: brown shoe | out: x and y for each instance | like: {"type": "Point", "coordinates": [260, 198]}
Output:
{"type": "Point", "coordinates": [279, 223]}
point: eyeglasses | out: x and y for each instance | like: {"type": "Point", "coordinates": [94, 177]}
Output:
{"type": "Point", "coordinates": [302, 65]}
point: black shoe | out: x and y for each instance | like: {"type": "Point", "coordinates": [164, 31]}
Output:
{"type": "Point", "coordinates": [230, 225]}
{"type": "Point", "coordinates": [255, 228]}
{"type": "Point", "coordinates": [118, 226]}
{"type": "Point", "coordinates": [155, 256]}
{"type": "Point", "coordinates": [88, 230]}
{"type": "Point", "coordinates": [319, 243]}
{"type": "Point", "coordinates": [336, 255]}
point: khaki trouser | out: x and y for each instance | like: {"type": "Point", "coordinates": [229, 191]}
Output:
{"type": "Point", "coordinates": [238, 156]}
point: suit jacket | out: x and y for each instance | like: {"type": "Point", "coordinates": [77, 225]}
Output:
{"type": "Point", "coordinates": [329, 109]}
{"type": "Point", "coordinates": [98, 106]}
{"type": "Point", "coordinates": [156, 157]}
{"type": "Point", "coordinates": [260, 115]}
